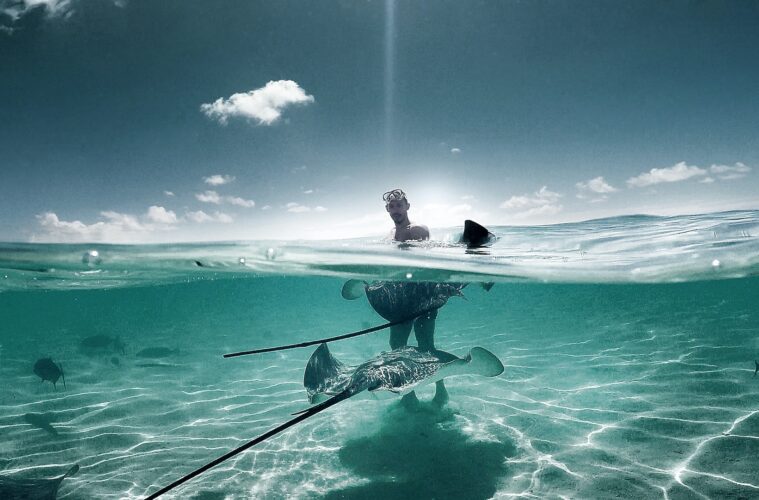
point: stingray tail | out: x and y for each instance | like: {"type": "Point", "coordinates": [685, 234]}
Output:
{"type": "Point", "coordinates": [263, 437]}
{"type": "Point", "coordinates": [60, 367]}
{"type": "Point", "coordinates": [325, 404]}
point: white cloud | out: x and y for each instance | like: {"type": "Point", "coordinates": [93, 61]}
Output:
{"type": "Point", "coordinates": [308, 191]}
{"type": "Point", "coordinates": [319, 208]}
{"type": "Point", "coordinates": [209, 197]}
{"type": "Point", "coordinates": [115, 227]}
{"type": "Point", "coordinates": [266, 207]}
{"type": "Point", "coordinates": [706, 180]}
{"type": "Point", "coordinates": [297, 208]}
{"type": "Point", "coordinates": [542, 202]}
{"type": "Point", "coordinates": [264, 104]}
{"type": "Point", "coordinates": [216, 199]}
{"type": "Point", "coordinates": [593, 188]}
{"type": "Point", "coordinates": [218, 180]}
{"type": "Point", "coordinates": [455, 151]}
{"type": "Point", "coordinates": [53, 8]}
{"type": "Point", "coordinates": [201, 217]}
{"type": "Point", "coordinates": [240, 202]}
{"type": "Point", "coordinates": [161, 215]}
{"type": "Point", "coordinates": [676, 173]}
{"type": "Point", "coordinates": [168, 193]}
{"type": "Point", "coordinates": [727, 172]}
{"type": "Point", "coordinates": [469, 197]}
{"type": "Point", "coordinates": [596, 185]}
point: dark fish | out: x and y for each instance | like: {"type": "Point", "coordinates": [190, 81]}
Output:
{"type": "Point", "coordinates": [41, 421]}
{"type": "Point", "coordinates": [102, 342]}
{"type": "Point", "coordinates": [47, 370]}
{"type": "Point", "coordinates": [156, 352]}
{"type": "Point", "coordinates": [757, 367]}
{"type": "Point", "coordinates": [12, 488]}
{"type": "Point", "coordinates": [96, 342]}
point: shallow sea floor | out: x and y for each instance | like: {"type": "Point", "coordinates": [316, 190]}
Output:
{"type": "Point", "coordinates": [634, 391]}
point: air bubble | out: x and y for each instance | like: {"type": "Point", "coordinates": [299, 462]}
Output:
{"type": "Point", "coordinates": [91, 258]}
{"type": "Point", "coordinates": [716, 263]}
{"type": "Point", "coordinates": [271, 253]}
{"type": "Point", "coordinates": [409, 276]}
{"type": "Point", "coordinates": [241, 261]}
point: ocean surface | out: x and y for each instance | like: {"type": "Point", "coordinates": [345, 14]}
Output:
{"type": "Point", "coordinates": [629, 345]}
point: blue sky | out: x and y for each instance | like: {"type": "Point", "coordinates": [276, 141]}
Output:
{"type": "Point", "coordinates": [142, 121]}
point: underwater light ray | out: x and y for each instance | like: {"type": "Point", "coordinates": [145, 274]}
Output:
{"type": "Point", "coordinates": [263, 437]}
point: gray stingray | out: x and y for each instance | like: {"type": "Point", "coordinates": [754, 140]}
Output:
{"type": "Point", "coordinates": [399, 371]}
{"type": "Point", "coordinates": [12, 488]}
{"type": "Point", "coordinates": [399, 300]}
{"type": "Point", "coordinates": [329, 381]}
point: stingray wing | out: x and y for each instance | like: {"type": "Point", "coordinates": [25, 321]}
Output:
{"type": "Point", "coordinates": [479, 361]}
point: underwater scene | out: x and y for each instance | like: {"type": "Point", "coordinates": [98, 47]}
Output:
{"type": "Point", "coordinates": [628, 349]}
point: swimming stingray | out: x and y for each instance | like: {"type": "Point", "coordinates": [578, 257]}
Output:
{"type": "Point", "coordinates": [329, 381]}
{"type": "Point", "coordinates": [32, 489]}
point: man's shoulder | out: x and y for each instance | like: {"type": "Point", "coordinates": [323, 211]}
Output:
{"type": "Point", "coordinates": [419, 232]}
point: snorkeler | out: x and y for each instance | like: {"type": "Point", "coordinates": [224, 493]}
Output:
{"type": "Point", "coordinates": [406, 297]}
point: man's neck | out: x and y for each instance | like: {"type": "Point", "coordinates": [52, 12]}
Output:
{"type": "Point", "coordinates": [404, 224]}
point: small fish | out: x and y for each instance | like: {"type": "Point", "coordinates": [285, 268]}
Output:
{"type": "Point", "coordinates": [41, 421]}
{"type": "Point", "coordinates": [100, 342]}
{"type": "Point", "coordinates": [46, 369]}
{"type": "Point", "coordinates": [757, 367]}
{"type": "Point", "coordinates": [156, 352]}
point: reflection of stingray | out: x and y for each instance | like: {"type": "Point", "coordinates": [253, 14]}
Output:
{"type": "Point", "coordinates": [41, 421]}
{"type": "Point", "coordinates": [414, 456]}
{"type": "Point", "coordinates": [32, 489]}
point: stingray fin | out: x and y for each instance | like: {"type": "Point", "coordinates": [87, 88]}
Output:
{"type": "Point", "coordinates": [353, 289]}
{"type": "Point", "coordinates": [322, 370]}
{"type": "Point", "coordinates": [487, 286]}
{"type": "Point", "coordinates": [476, 235]}
{"type": "Point", "coordinates": [479, 361]}
{"type": "Point", "coordinates": [483, 362]}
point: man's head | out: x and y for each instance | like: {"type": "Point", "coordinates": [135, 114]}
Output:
{"type": "Point", "coordinates": [397, 205]}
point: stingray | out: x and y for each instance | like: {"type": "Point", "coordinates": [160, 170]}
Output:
{"type": "Point", "coordinates": [328, 382]}
{"type": "Point", "coordinates": [32, 489]}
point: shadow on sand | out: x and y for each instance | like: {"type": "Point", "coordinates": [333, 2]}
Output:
{"type": "Point", "coordinates": [423, 454]}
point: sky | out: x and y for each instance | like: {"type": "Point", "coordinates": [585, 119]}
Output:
{"type": "Point", "coordinates": [140, 121]}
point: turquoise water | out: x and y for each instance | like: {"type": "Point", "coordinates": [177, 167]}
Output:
{"type": "Point", "coordinates": [629, 347]}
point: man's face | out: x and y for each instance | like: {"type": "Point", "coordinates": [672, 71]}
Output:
{"type": "Point", "coordinates": [398, 210]}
